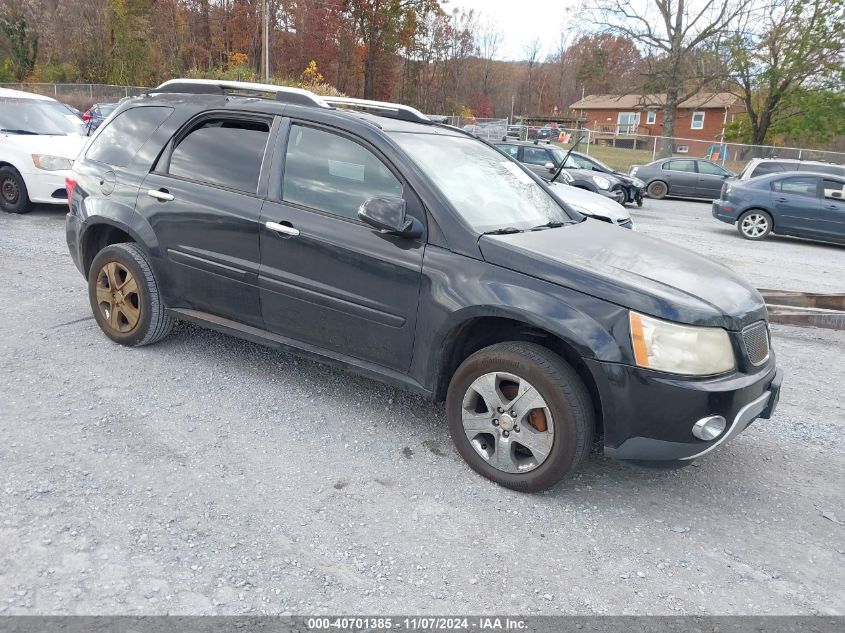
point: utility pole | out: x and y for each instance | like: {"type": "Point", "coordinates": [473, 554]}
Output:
{"type": "Point", "coordinates": [265, 39]}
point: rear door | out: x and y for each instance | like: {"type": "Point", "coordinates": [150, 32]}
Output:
{"type": "Point", "coordinates": [710, 179]}
{"type": "Point", "coordinates": [327, 279]}
{"type": "Point", "coordinates": [203, 203]}
{"type": "Point", "coordinates": [833, 208]}
{"type": "Point", "coordinates": [797, 206]}
{"type": "Point", "coordinates": [681, 176]}
{"type": "Point", "coordinates": [538, 159]}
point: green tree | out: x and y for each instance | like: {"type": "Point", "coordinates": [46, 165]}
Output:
{"type": "Point", "coordinates": [795, 44]}
{"type": "Point", "coordinates": [23, 44]}
{"type": "Point", "coordinates": [129, 54]}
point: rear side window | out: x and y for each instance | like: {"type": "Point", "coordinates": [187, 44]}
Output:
{"type": "Point", "coordinates": [121, 139]}
{"type": "Point", "coordinates": [835, 170]}
{"type": "Point", "coordinates": [767, 168]}
{"type": "Point", "coordinates": [799, 185]}
{"type": "Point", "coordinates": [679, 165]}
{"type": "Point", "coordinates": [334, 174]}
{"type": "Point", "coordinates": [222, 152]}
{"type": "Point", "coordinates": [834, 189]}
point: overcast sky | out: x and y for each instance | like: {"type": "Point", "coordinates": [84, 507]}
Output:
{"type": "Point", "coordinates": [520, 21]}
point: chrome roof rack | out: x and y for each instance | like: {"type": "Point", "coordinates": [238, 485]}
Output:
{"type": "Point", "coordinates": [392, 110]}
{"type": "Point", "coordinates": [285, 94]}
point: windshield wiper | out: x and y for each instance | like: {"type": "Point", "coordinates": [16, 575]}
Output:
{"type": "Point", "coordinates": [503, 231]}
{"type": "Point", "coordinates": [19, 131]}
{"type": "Point", "coordinates": [552, 224]}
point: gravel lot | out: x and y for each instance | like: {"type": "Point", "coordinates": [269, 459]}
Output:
{"type": "Point", "coordinates": [209, 475]}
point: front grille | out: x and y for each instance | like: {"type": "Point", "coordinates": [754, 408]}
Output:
{"type": "Point", "coordinates": [756, 340]}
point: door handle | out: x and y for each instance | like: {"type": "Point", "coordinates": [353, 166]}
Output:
{"type": "Point", "coordinates": [282, 228]}
{"type": "Point", "coordinates": [781, 200]}
{"type": "Point", "coordinates": [160, 194]}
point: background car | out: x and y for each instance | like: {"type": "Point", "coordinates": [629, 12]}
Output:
{"type": "Point", "coordinates": [544, 161]}
{"type": "Point", "coordinates": [810, 205]}
{"type": "Point", "coordinates": [634, 187]}
{"type": "Point", "coordinates": [762, 166]}
{"type": "Point", "coordinates": [682, 177]}
{"type": "Point", "coordinates": [96, 114]}
{"type": "Point", "coordinates": [39, 139]}
{"type": "Point", "coordinates": [592, 205]}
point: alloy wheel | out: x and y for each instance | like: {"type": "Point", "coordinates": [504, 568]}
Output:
{"type": "Point", "coordinates": [508, 422]}
{"type": "Point", "coordinates": [118, 297]}
{"type": "Point", "coordinates": [755, 225]}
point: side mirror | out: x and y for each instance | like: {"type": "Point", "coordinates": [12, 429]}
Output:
{"type": "Point", "coordinates": [388, 215]}
{"type": "Point", "coordinates": [551, 167]}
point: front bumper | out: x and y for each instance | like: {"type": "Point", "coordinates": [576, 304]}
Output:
{"type": "Point", "coordinates": [649, 416]}
{"type": "Point", "coordinates": [47, 186]}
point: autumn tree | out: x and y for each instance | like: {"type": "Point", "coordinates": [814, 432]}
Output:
{"type": "Point", "coordinates": [22, 40]}
{"type": "Point", "coordinates": [791, 46]}
{"type": "Point", "coordinates": [681, 40]}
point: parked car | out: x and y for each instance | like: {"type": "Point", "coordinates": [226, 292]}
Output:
{"type": "Point", "coordinates": [39, 138]}
{"type": "Point", "coordinates": [802, 204]}
{"type": "Point", "coordinates": [682, 177]}
{"type": "Point", "coordinates": [592, 204]}
{"type": "Point", "coordinates": [413, 253]}
{"type": "Point", "coordinates": [762, 166]}
{"type": "Point", "coordinates": [633, 186]}
{"type": "Point", "coordinates": [544, 161]}
{"type": "Point", "coordinates": [96, 114]}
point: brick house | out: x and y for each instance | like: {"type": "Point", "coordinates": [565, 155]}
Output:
{"type": "Point", "coordinates": [623, 119]}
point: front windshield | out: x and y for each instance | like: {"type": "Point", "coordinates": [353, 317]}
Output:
{"type": "Point", "coordinates": [33, 116]}
{"type": "Point", "coordinates": [488, 190]}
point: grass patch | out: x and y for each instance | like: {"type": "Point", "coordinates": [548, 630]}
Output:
{"type": "Point", "coordinates": [622, 158]}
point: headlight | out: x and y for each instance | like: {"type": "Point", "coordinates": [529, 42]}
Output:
{"type": "Point", "coordinates": [601, 182]}
{"type": "Point", "coordinates": [634, 170]}
{"type": "Point", "coordinates": [680, 349]}
{"type": "Point", "coordinates": [51, 163]}
{"type": "Point", "coordinates": [728, 190]}
{"type": "Point", "coordinates": [566, 177]}
{"type": "Point", "coordinates": [639, 184]}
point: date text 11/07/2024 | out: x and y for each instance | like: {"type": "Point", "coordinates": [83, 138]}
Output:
{"type": "Point", "coordinates": [416, 623]}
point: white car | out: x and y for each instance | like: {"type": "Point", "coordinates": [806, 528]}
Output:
{"type": "Point", "coordinates": [592, 204]}
{"type": "Point", "coordinates": [39, 140]}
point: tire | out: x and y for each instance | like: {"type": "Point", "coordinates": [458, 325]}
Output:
{"type": "Point", "coordinates": [137, 317]}
{"type": "Point", "coordinates": [14, 197]}
{"type": "Point", "coordinates": [565, 439]}
{"type": "Point", "coordinates": [755, 224]}
{"type": "Point", "coordinates": [657, 189]}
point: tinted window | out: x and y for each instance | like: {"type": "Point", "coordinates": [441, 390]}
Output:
{"type": "Point", "coordinates": [535, 156]}
{"type": "Point", "coordinates": [799, 185]}
{"type": "Point", "coordinates": [837, 170]}
{"type": "Point", "coordinates": [121, 139]}
{"type": "Point", "coordinates": [331, 173]}
{"type": "Point", "coordinates": [510, 150]}
{"type": "Point", "coordinates": [834, 189]}
{"type": "Point", "coordinates": [767, 168]}
{"type": "Point", "coordinates": [709, 168]}
{"type": "Point", "coordinates": [679, 165]}
{"type": "Point", "coordinates": [222, 152]}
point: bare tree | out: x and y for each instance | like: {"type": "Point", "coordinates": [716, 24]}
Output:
{"type": "Point", "coordinates": [681, 39]}
{"type": "Point", "coordinates": [532, 57]}
{"type": "Point", "coordinates": [489, 41]}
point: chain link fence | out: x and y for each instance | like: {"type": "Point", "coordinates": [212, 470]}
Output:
{"type": "Point", "coordinates": [81, 96]}
{"type": "Point", "coordinates": [487, 128]}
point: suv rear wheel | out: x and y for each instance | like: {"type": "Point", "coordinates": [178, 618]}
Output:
{"type": "Point", "coordinates": [13, 195]}
{"type": "Point", "coordinates": [125, 298]}
{"type": "Point", "coordinates": [520, 415]}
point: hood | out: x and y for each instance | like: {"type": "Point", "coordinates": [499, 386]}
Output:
{"type": "Point", "coordinates": [631, 270]}
{"type": "Point", "coordinates": [587, 174]}
{"type": "Point", "coordinates": [590, 203]}
{"type": "Point", "coordinates": [66, 146]}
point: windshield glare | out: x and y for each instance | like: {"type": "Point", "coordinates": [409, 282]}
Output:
{"type": "Point", "coordinates": [39, 117]}
{"type": "Point", "coordinates": [489, 190]}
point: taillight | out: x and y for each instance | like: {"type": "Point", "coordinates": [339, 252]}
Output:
{"type": "Point", "coordinates": [86, 116]}
{"type": "Point", "coordinates": [70, 185]}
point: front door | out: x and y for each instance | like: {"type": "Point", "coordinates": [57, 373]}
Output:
{"type": "Point", "coordinates": [710, 180]}
{"type": "Point", "coordinates": [327, 279]}
{"type": "Point", "coordinates": [797, 206]}
{"type": "Point", "coordinates": [202, 204]}
{"type": "Point", "coordinates": [627, 123]}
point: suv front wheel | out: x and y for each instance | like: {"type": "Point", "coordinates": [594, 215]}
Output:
{"type": "Point", "coordinates": [125, 298]}
{"type": "Point", "coordinates": [520, 415]}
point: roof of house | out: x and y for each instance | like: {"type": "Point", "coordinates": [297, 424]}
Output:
{"type": "Point", "coordinates": [638, 101]}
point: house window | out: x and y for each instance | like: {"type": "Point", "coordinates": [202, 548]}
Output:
{"type": "Point", "coordinates": [682, 149]}
{"type": "Point", "coordinates": [627, 122]}
{"type": "Point", "coordinates": [651, 117]}
{"type": "Point", "coordinates": [697, 121]}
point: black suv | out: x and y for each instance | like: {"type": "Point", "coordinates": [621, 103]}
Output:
{"type": "Point", "coordinates": [414, 253]}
